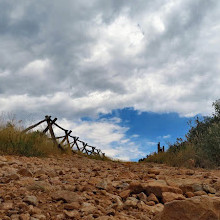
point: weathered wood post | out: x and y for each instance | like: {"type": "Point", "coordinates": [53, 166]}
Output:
{"type": "Point", "coordinates": [33, 126]}
{"type": "Point", "coordinates": [75, 143]}
{"type": "Point", "coordinates": [52, 122]}
{"type": "Point", "coordinates": [67, 137]}
{"type": "Point", "coordinates": [51, 130]}
{"type": "Point", "coordinates": [158, 147]}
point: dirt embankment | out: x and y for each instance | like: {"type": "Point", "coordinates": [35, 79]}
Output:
{"type": "Point", "coordinates": [76, 187]}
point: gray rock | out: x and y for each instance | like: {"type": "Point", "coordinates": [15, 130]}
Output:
{"type": "Point", "coordinates": [197, 187]}
{"type": "Point", "coordinates": [66, 196]}
{"type": "Point", "coordinates": [102, 185]}
{"type": "Point", "coordinates": [207, 188]}
{"type": "Point", "coordinates": [130, 202]}
{"type": "Point", "coordinates": [31, 200]}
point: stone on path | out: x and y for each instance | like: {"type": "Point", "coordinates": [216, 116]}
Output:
{"type": "Point", "coordinates": [203, 208]}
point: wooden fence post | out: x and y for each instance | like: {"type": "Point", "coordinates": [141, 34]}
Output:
{"type": "Point", "coordinates": [33, 126]}
{"type": "Point", "coordinates": [67, 137]}
{"type": "Point", "coordinates": [51, 130]}
{"type": "Point", "coordinates": [75, 142]}
{"type": "Point", "coordinates": [47, 128]}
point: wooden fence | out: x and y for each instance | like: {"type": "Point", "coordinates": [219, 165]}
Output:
{"type": "Point", "coordinates": [67, 140]}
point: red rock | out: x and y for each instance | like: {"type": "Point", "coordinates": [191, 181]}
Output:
{"type": "Point", "coordinates": [88, 208]}
{"type": "Point", "coordinates": [25, 172]}
{"type": "Point", "coordinates": [153, 171]}
{"type": "Point", "coordinates": [189, 194]}
{"type": "Point", "coordinates": [7, 205]}
{"type": "Point", "coordinates": [72, 206]}
{"type": "Point", "coordinates": [136, 187]}
{"type": "Point", "coordinates": [169, 196]}
{"type": "Point", "coordinates": [24, 216]}
{"type": "Point", "coordinates": [158, 188]}
{"type": "Point", "coordinates": [72, 214]}
{"type": "Point", "coordinates": [150, 203]}
{"type": "Point", "coordinates": [66, 196]}
{"type": "Point", "coordinates": [32, 200]}
{"type": "Point", "coordinates": [75, 190]}
{"type": "Point", "coordinates": [200, 193]}
{"type": "Point", "coordinates": [39, 216]}
{"type": "Point", "coordinates": [203, 207]}
{"type": "Point", "coordinates": [190, 172]}
{"type": "Point", "coordinates": [102, 184]}
{"type": "Point", "coordinates": [130, 202]}
{"type": "Point", "coordinates": [125, 194]}
{"type": "Point", "coordinates": [142, 196]}
{"type": "Point", "coordinates": [153, 198]}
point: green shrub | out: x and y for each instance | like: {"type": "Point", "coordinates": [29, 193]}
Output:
{"type": "Point", "coordinates": [201, 147]}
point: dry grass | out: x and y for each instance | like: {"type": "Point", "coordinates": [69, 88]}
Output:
{"type": "Point", "coordinates": [178, 159]}
{"type": "Point", "coordinates": [14, 142]}
{"type": "Point", "coordinates": [188, 156]}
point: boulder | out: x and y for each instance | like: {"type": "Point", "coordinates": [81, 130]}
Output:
{"type": "Point", "coordinates": [202, 207]}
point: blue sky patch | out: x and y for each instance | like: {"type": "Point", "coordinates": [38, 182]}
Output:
{"type": "Point", "coordinates": [146, 129]}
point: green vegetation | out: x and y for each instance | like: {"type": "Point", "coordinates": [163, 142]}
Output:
{"type": "Point", "coordinates": [201, 147]}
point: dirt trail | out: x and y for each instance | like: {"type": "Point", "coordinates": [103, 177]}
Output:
{"type": "Point", "coordinates": [75, 187]}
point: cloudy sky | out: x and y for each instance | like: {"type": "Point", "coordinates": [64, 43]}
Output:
{"type": "Point", "coordinates": [122, 75]}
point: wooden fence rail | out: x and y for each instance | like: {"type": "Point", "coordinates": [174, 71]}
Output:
{"type": "Point", "coordinates": [67, 140]}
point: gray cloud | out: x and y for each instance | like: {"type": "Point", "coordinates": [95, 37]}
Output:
{"type": "Point", "coordinates": [80, 58]}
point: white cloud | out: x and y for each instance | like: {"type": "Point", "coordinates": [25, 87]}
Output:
{"type": "Point", "coordinates": [105, 135]}
{"type": "Point", "coordinates": [166, 136]}
{"type": "Point", "coordinates": [36, 68]}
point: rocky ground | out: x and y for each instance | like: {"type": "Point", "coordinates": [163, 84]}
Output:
{"type": "Point", "coordinates": [75, 187]}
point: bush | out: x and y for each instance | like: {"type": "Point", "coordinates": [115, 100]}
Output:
{"type": "Point", "coordinates": [201, 147]}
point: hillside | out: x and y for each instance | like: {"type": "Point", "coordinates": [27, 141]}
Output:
{"type": "Point", "coordinates": [76, 187]}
